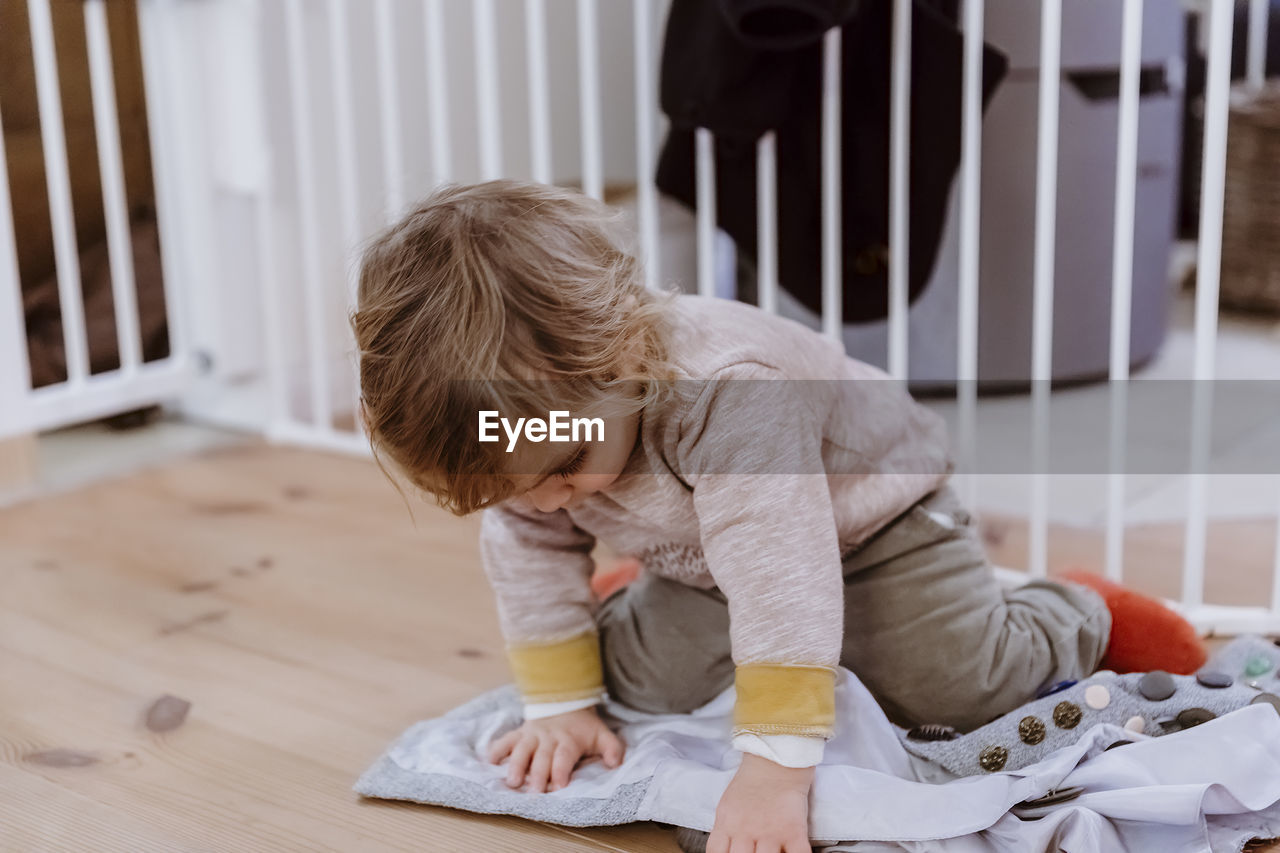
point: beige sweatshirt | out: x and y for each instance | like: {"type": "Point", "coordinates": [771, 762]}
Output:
{"type": "Point", "coordinates": [737, 481]}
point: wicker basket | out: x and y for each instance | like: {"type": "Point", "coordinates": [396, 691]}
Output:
{"type": "Point", "coordinates": [1251, 218]}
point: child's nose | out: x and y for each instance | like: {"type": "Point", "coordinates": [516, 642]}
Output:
{"type": "Point", "coordinates": [549, 497]}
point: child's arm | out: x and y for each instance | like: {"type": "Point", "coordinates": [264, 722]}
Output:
{"type": "Point", "coordinates": [765, 809]}
{"type": "Point", "coordinates": [752, 450]}
{"type": "Point", "coordinates": [539, 566]}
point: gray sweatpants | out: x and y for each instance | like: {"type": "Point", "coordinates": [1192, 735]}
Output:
{"type": "Point", "coordinates": [927, 629]}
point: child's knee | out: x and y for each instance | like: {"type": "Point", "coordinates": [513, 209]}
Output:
{"type": "Point", "coordinates": [653, 662]}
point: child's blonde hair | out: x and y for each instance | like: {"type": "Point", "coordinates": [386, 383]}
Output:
{"type": "Point", "coordinates": [504, 296]}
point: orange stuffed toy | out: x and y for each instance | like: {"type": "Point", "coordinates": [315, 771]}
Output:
{"type": "Point", "coordinates": [1145, 634]}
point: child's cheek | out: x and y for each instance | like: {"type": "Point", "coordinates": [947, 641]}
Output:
{"type": "Point", "coordinates": [591, 483]}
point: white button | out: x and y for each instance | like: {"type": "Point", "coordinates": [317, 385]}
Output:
{"type": "Point", "coordinates": [1097, 696]}
{"type": "Point", "coordinates": [1138, 725]}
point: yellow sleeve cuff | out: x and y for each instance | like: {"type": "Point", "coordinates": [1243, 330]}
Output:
{"type": "Point", "coordinates": [779, 699]}
{"type": "Point", "coordinates": [558, 672]}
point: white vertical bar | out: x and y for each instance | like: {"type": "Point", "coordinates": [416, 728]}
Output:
{"type": "Point", "coordinates": [1122, 279]}
{"type": "Point", "coordinates": [348, 184]}
{"type": "Point", "coordinates": [705, 169]}
{"type": "Point", "coordinates": [438, 90]}
{"type": "Point", "coordinates": [344, 118]}
{"type": "Point", "coordinates": [15, 381]}
{"type": "Point", "coordinates": [278, 414]}
{"type": "Point", "coordinates": [114, 201]}
{"type": "Point", "coordinates": [305, 176]}
{"type": "Point", "coordinates": [490, 121]}
{"type": "Point", "coordinates": [970, 235]}
{"type": "Point", "coordinates": [899, 175]}
{"type": "Point", "coordinates": [1042, 320]}
{"type": "Point", "coordinates": [1126, 182]}
{"type": "Point", "coordinates": [393, 175]}
{"type": "Point", "coordinates": [161, 65]}
{"type": "Point", "coordinates": [646, 106]}
{"type": "Point", "coordinates": [54, 144]}
{"type": "Point", "coordinates": [1208, 267]}
{"type": "Point", "coordinates": [535, 30]}
{"type": "Point", "coordinates": [832, 306]}
{"type": "Point", "coordinates": [1256, 60]}
{"type": "Point", "coordinates": [767, 222]}
{"type": "Point", "coordinates": [1275, 572]}
{"type": "Point", "coordinates": [1119, 424]}
{"type": "Point", "coordinates": [589, 99]}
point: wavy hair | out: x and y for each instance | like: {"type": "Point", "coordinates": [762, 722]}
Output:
{"type": "Point", "coordinates": [505, 296]}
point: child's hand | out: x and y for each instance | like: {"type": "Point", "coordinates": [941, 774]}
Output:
{"type": "Point", "coordinates": [548, 749]}
{"type": "Point", "coordinates": [765, 809]}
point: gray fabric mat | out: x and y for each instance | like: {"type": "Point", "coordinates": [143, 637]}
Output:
{"type": "Point", "coordinates": [962, 756]}
{"type": "Point", "coordinates": [388, 780]}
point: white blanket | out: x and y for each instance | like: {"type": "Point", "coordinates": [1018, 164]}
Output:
{"type": "Point", "coordinates": [1209, 788]}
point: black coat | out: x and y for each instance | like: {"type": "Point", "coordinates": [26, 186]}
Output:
{"type": "Point", "coordinates": [742, 67]}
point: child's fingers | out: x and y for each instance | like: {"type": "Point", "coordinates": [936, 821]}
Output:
{"type": "Point", "coordinates": [746, 845]}
{"type": "Point", "coordinates": [519, 763]}
{"type": "Point", "coordinates": [611, 748]}
{"type": "Point", "coordinates": [718, 842]}
{"type": "Point", "coordinates": [540, 769]}
{"type": "Point", "coordinates": [798, 845]}
{"type": "Point", "coordinates": [562, 764]}
{"type": "Point", "coordinates": [501, 747]}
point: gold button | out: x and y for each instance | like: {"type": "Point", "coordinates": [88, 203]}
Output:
{"type": "Point", "coordinates": [1031, 730]}
{"type": "Point", "coordinates": [1066, 715]}
{"type": "Point", "coordinates": [993, 758]}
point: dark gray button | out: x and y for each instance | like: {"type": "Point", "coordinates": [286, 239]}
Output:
{"type": "Point", "coordinates": [1031, 730]}
{"type": "Point", "coordinates": [1055, 796]}
{"type": "Point", "coordinates": [933, 731]}
{"type": "Point", "coordinates": [1157, 685]}
{"type": "Point", "coordinates": [1213, 678]}
{"type": "Point", "coordinates": [1118, 743]}
{"type": "Point", "coordinates": [1066, 715]}
{"type": "Point", "coordinates": [1194, 717]}
{"type": "Point", "coordinates": [1267, 699]}
{"type": "Point", "coordinates": [993, 758]}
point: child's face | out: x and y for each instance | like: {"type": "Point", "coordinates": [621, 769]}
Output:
{"type": "Point", "coordinates": [577, 470]}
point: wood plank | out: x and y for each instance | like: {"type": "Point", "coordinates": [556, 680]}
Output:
{"type": "Point", "coordinates": [19, 457]}
{"type": "Point", "coordinates": [290, 599]}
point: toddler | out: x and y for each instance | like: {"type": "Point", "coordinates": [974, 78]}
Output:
{"type": "Point", "coordinates": [789, 505]}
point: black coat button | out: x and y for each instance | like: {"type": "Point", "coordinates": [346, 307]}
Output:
{"type": "Point", "coordinates": [1055, 796]}
{"type": "Point", "coordinates": [1267, 699]}
{"type": "Point", "coordinates": [933, 731]}
{"type": "Point", "coordinates": [871, 260]}
{"type": "Point", "coordinates": [1194, 717]}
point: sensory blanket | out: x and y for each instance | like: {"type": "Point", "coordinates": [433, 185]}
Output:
{"type": "Point", "coordinates": [1135, 762]}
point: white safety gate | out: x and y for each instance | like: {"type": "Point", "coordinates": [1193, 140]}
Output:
{"type": "Point", "coordinates": [286, 131]}
{"type": "Point", "coordinates": [85, 396]}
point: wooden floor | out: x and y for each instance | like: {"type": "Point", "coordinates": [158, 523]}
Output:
{"type": "Point", "coordinates": [205, 656]}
